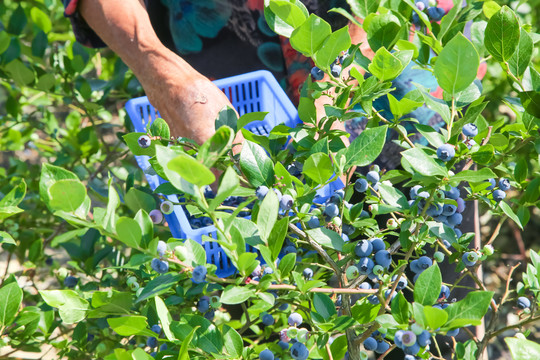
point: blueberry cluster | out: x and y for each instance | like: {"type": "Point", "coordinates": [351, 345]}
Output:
{"type": "Point", "coordinates": [418, 266]}
{"type": "Point", "coordinates": [335, 68]}
{"type": "Point", "coordinates": [429, 7]}
{"type": "Point", "coordinates": [292, 339]}
{"type": "Point", "coordinates": [500, 193]}
{"type": "Point", "coordinates": [158, 264]}
{"type": "Point", "coordinates": [206, 306]}
{"type": "Point", "coordinates": [440, 209]}
{"type": "Point", "coordinates": [411, 341]}
{"type": "Point", "coordinates": [374, 259]}
{"type": "Point", "coordinates": [376, 342]}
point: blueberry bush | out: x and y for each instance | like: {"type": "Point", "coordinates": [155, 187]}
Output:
{"type": "Point", "coordinates": [392, 264]}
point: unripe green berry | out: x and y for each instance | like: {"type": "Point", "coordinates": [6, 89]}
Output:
{"type": "Point", "coordinates": [302, 335]}
{"type": "Point", "coordinates": [417, 329]}
{"type": "Point", "coordinates": [438, 256]}
{"type": "Point", "coordinates": [336, 220]}
{"type": "Point", "coordinates": [488, 250]}
{"type": "Point", "coordinates": [352, 272]}
{"type": "Point", "coordinates": [378, 270]}
{"type": "Point", "coordinates": [392, 224]}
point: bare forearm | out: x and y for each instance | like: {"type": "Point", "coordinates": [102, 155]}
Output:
{"type": "Point", "coordinates": [125, 27]}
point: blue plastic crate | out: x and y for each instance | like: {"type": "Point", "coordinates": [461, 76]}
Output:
{"type": "Point", "coordinates": [250, 92]}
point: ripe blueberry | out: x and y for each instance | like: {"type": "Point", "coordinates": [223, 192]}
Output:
{"type": "Point", "coordinates": [266, 355]}
{"type": "Point", "coordinates": [446, 152]}
{"type": "Point", "coordinates": [295, 319]}
{"type": "Point", "coordinates": [378, 244]}
{"type": "Point", "coordinates": [261, 192]}
{"type": "Point", "coordinates": [199, 274]}
{"type": "Point", "coordinates": [498, 195]}
{"type": "Point", "coordinates": [286, 202]}
{"type": "Point", "coordinates": [361, 185]}
{"type": "Point", "coordinates": [370, 344]}
{"type": "Point", "coordinates": [335, 70]}
{"type": "Point", "coordinates": [267, 320]}
{"type": "Point", "coordinates": [313, 222]}
{"type": "Point", "coordinates": [424, 339]}
{"type": "Point", "coordinates": [144, 141]}
{"type": "Point", "coordinates": [71, 281]}
{"type": "Point", "coordinates": [445, 292]}
{"type": "Point", "coordinates": [152, 342]}
{"type": "Point", "coordinates": [365, 265]}
{"type": "Point", "coordinates": [204, 304]}
{"type": "Point", "coordinates": [331, 210]}
{"type": "Point", "coordinates": [523, 302]}
{"type": "Point", "coordinates": [382, 346]}
{"type": "Point", "coordinates": [373, 177]}
{"type": "Point", "coordinates": [414, 192]}
{"type": "Point", "coordinates": [156, 328]}
{"type": "Point", "coordinates": [383, 258]}
{"type": "Point", "coordinates": [161, 247]}
{"type": "Point", "coordinates": [504, 184]}
{"type": "Point", "coordinates": [449, 209]}
{"type": "Point", "coordinates": [412, 350]}
{"type": "Point", "coordinates": [455, 219]}
{"type": "Point", "coordinates": [492, 183]}
{"type": "Point", "coordinates": [470, 130]}
{"type": "Point", "coordinates": [317, 73]}
{"type": "Point", "coordinates": [452, 333]}
{"type": "Point", "coordinates": [299, 351]}
{"type": "Point", "coordinates": [363, 248]}
{"type": "Point", "coordinates": [159, 266]}
{"type": "Point", "coordinates": [308, 273]}
{"type": "Point", "coordinates": [424, 262]}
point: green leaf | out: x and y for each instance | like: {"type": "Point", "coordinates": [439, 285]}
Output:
{"type": "Point", "coordinates": [332, 47]}
{"type": "Point", "coordinates": [393, 196]}
{"type": "Point", "coordinates": [365, 312]}
{"type": "Point", "coordinates": [40, 19]}
{"type": "Point", "coordinates": [67, 195]}
{"type": "Point", "coordinates": [20, 73]}
{"type": "Point", "coordinates": [229, 183]}
{"type": "Point", "coordinates": [284, 16]}
{"type": "Point", "coordinates": [17, 21]}
{"type": "Point", "coordinates": [326, 238]}
{"type": "Point", "coordinates": [164, 317]}
{"type": "Point", "coordinates": [457, 65]}
{"type": "Point", "coordinates": [438, 106]}
{"type": "Point", "coordinates": [531, 102]}
{"type": "Point", "coordinates": [129, 232]}
{"type": "Point", "coordinates": [435, 317]}
{"type": "Point", "coordinates": [247, 262]}
{"type": "Point", "coordinates": [163, 156]}
{"type": "Point", "coordinates": [235, 295]}
{"type": "Point", "coordinates": [366, 147]}
{"type": "Point", "coordinates": [191, 170]}
{"type": "Point", "coordinates": [523, 349]}
{"type": "Point", "coordinates": [468, 311]}
{"type": "Point", "coordinates": [5, 39]}
{"type": "Point", "coordinates": [15, 195]}
{"type": "Point", "coordinates": [474, 175]}
{"type": "Point", "coordinates": [227, 117]}
{"type": "Point", "coordinates": [383, 31]}
{"type": "Point", "coordinates": [400, 309]}
{"type": "Point", "coordinates": [428, 286]}
{"type": "Point", "coordinates": [216, 146]}
{"type": "Point", "coordinates": [160, 128]}
{"type": "Point", "coordinates": [363, 8]}
{"type": "Point", "coordinates": [136, 199]}
{"type": "Point", "coordinates": [256, 164]}
{"type": "Point", "coordinates": [277, 236]}
{"type": "Point", "coordinates": [423, 163]}
{"type": "Point", "coordinates": [308, 37]}
{"type": "Point", "coordinates": [107, 303]}
{"type": "Point", "coordinates": [448, 19]}
{"type": "Point", "coordinates": [248, 118]}
{"type": "Point", "coordinates": [267, 216]}
{"type": "Point", "coordinates": [6, 238]}
{"type": "Point", "coordinates": [128, 325]}
{"type": "Point", "coordinates": [158, 286]}
{"type": "Point", "coordinates": [510, 213]}
{"type": "Point", "coordinates": [521, 58]}
{"type": "Point", "coordinates": [323, 305]}
{"type": "Point", "coordinates": [287, 264]}
{"type": "Point", "coordinates": [71, 307]}
{"type": "Point", "coordinates": [232, 341]}
{"type": "Point", "coordinates": [318, 167]}
{"type": "Point", "coordinates": [11, 297]}
{"type": "Point", "coordinates": [384, 65]}
{"type": "Point", "coordinates": [502, 34]}
{"type": "Point", "coordinates": [432, 136]}
{"type": "Point", "coordinates": [109, 220]}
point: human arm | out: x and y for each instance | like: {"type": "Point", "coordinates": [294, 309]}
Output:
{"type": "Point", "coordinates": [187, 100]}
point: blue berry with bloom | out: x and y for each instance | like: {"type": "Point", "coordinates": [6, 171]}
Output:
{"type": "Point", "coordinates": [308, 273]}
{"type": "Point", "coordinates": [504, 184]}
{"type": "Point", "coordinates": [470, 258]}
{"type": "Point", "coordinates": [161, 247]}
{"type": "Point", "coordinates": [498, 195]}
{"type": "Point", "coordinates": [335, 70]}
{"type": "Point", "coordinates": [445, 292]}
{"type": "Point", "coordinates": [370, 344]}
{"type": "Point", "coordinates": [199, 274]}
{"type": "Point", "coordinates": [151, 342]}
{"type": "Point", "coordinates": [156, 328]}
{"type": "Point", "coordinates": [331, 210]}
{"type": "Point", "coordinates": [492, 184]}
{"type": "Point", "coordinates": [373, 177]}
{"type": "Point", "coordinates": [204, 304]}
{"type": "Point", "coordinates": [159, 266]}
{"type": "Point", "coordinates": [70, 281]}
{"type": "Point", "coordinates": [361, 185]}
{"type": "Point", "coordinates": [378, 244]}
{"type": "Point", "coordinates": [286, 202]}
{"type": "Point", "coordinates": [313, 222]}
{"type": "Point", "coordinates": [363, 248]}
{"type": "Point", "coordinates": [382, 347]}
{"type": "Point", "coordinates": [470, 130]}
{"type": "Point", "coordinates": [267, 320]}
{"type": "Point", "coordinates": [523, 302]}
{"type": "Point", "coordinates": [299, 351]}
{"type": "Point", "coordinates": [424, 339]}
{"type": "Point", "coordinates": [266, 355]}
{"type": "Point", "coordinates": [383, 258]}
{"type": "Point", "coordinates": [446, 152]}
{"type": "Point", "coordinates": [317, 73]}
{"type": "Point", "coordinates": [295, 319]}
{"type": "Point", "coordinates": [365, 265]}
{"type": "Point", "coordinates": [435, 13]}
{"type": "Point", "coordinates": [261, 192]}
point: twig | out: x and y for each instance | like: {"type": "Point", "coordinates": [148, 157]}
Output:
{"type": "Point", "coordinates": [496, 230]}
